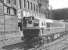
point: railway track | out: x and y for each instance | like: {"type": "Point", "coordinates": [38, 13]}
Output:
{"type": "Point", "coordinates": [43, 46]}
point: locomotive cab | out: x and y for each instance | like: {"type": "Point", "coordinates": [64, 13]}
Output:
{"type": "Point", "coordinates": [31, 31]}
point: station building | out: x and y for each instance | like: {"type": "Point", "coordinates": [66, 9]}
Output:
{"type": "Point", "coordinates": [34, 8]}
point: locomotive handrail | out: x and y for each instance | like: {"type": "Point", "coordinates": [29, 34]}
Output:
{"type": "Point", "coordinates": [53, 27]}
{"type": "Point", "coordinates": [31, 28]}
{"type": "Point", "coordinates": [42, 28]}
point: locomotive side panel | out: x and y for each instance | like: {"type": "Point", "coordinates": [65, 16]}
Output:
{"type": "Point", "coordinates": [66, 26]}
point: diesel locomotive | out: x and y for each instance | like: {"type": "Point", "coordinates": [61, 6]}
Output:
{"type": "Point", "coordinates": [40, 30]}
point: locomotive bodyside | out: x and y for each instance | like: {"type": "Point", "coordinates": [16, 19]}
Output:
{"type": "Point", "coordinates": [53, 30]}
{"type": "Point", "coordinates": [66, 27]}
{"type": "Point", "coordinates": [48, 30]}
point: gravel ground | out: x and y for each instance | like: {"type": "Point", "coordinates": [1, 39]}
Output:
{"type": "Point", "coordinates": [62, 45]}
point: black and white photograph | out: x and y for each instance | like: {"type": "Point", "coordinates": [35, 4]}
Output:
{"type": "Point", "coordinates": [33, 24]}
